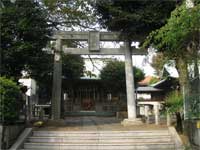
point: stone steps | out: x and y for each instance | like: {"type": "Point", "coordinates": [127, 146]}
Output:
{"type": "Point", "coordinates": [96, 146]}
{"type": "Point", "coordinates": [101, 133]}
{"type": "Point", "coordinates": [100, 140]}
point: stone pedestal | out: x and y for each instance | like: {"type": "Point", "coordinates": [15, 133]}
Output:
{"type": "Point", "coordinates": [146, 110]}
{"type": "Point", "coordinates": [168, 119]}
{"type": "Point", "coordinates": [157, 114]}
{"type": "Point", "coordinates": [146, 113]}
{"type": "Point", "coordinates": [130, 122]}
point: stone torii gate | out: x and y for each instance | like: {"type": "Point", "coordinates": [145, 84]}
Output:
{"type": "Point", "coordinates": [93, 38]}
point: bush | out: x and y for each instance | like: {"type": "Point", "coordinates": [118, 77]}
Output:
{"type": "Point", "coordinates": [9, 100]}
{"type": "Point", "coordinates": [174, 105]}
{"type": "Point", "coordinates": [174, 102]}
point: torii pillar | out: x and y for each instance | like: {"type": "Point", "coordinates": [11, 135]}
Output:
{"type": "Point", "coordinates": [57, 82]}
{"type": "Point", "coordinates": [131, 103]}
{"type": "Point", "coordinates": [130, 88]}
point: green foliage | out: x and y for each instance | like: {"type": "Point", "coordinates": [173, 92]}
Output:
{"type": "Point", "coordinates": [174, 105]}
{"type": "Point", "coordinates": [182, 28]}
{"type": "Point", "coordinates": [174, 102]}
{"type": "Point", "coordinates": [158, 62]}
{"type": "Point", "coordinates": [70, 13]}
{"type": "Point", "coordinates": [72, 66]}
{"type": "Point", "coordinates": [114, 75]}
{"type": "Point", "coordinates": [192, 106]}
{"type": "Point", "coordinates": [134, 18]}
{"type": "Point", "coordinates": [24, 32]}
{"type": "Point", "coordinates": [9, 100]}
{"type": "Point", "coordinates": [179, 40]}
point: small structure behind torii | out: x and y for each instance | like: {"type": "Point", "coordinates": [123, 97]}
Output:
{"type": "Point", "coordinates": [93, 38]}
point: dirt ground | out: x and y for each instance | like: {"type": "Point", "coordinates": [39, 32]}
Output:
{"type": "Point", "coordinates": [94, 123]}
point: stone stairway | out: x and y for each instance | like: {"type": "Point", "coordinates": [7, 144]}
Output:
{"type": "Point", "coordinates": [100, 140]}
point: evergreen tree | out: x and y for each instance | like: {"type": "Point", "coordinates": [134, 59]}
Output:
{"type": "Point", "coordinates": [24, 32]}
{"type": "Point", "coordinates": [114, 76]}
{"type": "Point", "coordinates": [134, 18]}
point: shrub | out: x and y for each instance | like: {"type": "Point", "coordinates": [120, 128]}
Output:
{"type": "Point", "coordinates": [9, 100]}
{"type": "Point", "coordinates": [174, 102]}
{"type": "Point", "coordinates": [174, 105]}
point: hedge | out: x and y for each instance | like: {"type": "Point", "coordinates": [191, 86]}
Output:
{"type": "Point", "coordinates": [10, 100]}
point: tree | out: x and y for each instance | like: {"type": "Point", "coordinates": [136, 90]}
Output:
{"type": "Point", "coordinates": [133, 18]}
{"type": "Point", "coordinates": [179, 40]}
{"type": "Point", "coordinates": [70, 14]}
{"type": "Point", "coordinates": [113, 74]}
{"type": "Point", "coordinates": [24, 32]}
{"type": "Point", "coordinates": [72, 66]}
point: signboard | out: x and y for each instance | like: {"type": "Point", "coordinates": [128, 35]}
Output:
{"type": "Point", "coordinates": [31, 86]}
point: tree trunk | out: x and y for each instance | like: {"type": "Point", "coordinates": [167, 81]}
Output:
{"type": "Point", "coordinates": [196, 65]}
{"type": "Point", "coordinates": [182, 68]}
{"type": "Point", "coordinates": [183, 75]}
{"type": "Point", "coordinates": [196, 84]}
{"type": "Point", "coordinates": [179, 125]}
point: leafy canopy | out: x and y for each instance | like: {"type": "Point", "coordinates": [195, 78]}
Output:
{"type": "Point", "coordinates": [24, 32]}
{"type": "Point", "coordinates": [133, 17]}
{"type": "Point", "coordinates": [179, 40]}
{"type": "Point", "coordinates": [70, 14]}
{"type": "Point", "coordinates": [158, 62]}
{"type": "Point", "coordinates": [182, 28]}
{"type": "Point", "coordinates": [72, 66]}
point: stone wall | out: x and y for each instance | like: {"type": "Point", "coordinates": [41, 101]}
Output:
{"type": "Point", "coordinates": [193, 132]}
{"type": "Point", "coordinates": [11, 132]}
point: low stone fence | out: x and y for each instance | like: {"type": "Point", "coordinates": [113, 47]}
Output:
{"type": "Point", "coordinates": [192, 129]}
{"type": "Point", "coordinates": [9, 133]}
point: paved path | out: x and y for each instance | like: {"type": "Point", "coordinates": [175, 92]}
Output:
{"type": "Point", "coordinates": [94, 124]}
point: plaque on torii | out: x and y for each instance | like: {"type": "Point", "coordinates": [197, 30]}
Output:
{"type": "Point", "coordinates": [94, 38]}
